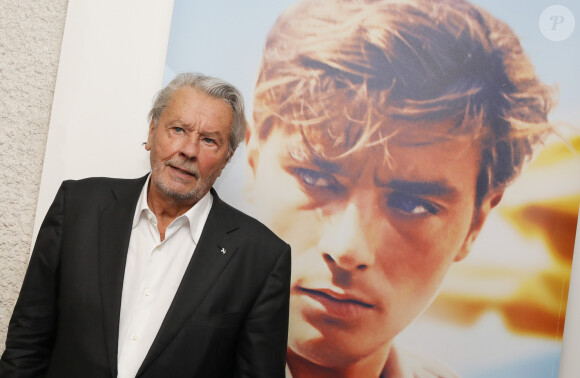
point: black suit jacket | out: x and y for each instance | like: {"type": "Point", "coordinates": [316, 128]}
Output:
{"type": "Point", "coordinates": [229, 317]}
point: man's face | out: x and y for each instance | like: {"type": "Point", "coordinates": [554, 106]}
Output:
{"type": "Point", "coordinates": [189, 146]}
{"type": "Point", "coordinates": [371, 241]}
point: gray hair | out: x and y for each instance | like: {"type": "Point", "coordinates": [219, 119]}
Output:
{"type": "Point", "coordinates": [210, 86]}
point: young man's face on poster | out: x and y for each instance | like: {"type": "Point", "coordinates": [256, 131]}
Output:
{"type": "Point", "coordinates": [372, 233]}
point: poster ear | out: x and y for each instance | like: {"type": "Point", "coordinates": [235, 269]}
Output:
{"type": "Point", "coordinates": [488, 203]}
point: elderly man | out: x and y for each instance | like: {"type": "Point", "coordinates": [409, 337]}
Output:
{"type": "Point", "coordinates": [157, 277]}
{"type": "Point", "coordinates": [385, 132]}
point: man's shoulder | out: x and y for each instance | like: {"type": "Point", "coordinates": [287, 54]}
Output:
{"type": "Point", "coordinates": [95, 190]}
{"type": "Point", "coordinates": [101, 184]}
{"type": "Point", "coordinates": [105, 182]}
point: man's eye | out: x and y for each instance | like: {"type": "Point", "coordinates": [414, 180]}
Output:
{"type": "Point", "coordinates": [410, 205]}
{"type": "Point", "coordinates": [178, 130]}
{"type": "Point", "coordinates": [208, 141]}
{"type": "Point", "coordinates": [318, 180]}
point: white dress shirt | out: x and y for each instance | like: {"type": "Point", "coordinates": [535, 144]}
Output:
{"type": "Point", "coordinates": [153, 273]}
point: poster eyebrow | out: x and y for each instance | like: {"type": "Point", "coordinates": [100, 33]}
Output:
{"type": "Point", "coordinates": [306, 155]}
{"type": "Point", "coordinates": [431, 188]}
{"type": "Point", "coordinates": [326, 165]}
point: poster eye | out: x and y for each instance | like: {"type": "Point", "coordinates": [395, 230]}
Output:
{"type": "Point", "coordinates": [411, 205]}
{"type": "Point", "coordinates": [317, 180]}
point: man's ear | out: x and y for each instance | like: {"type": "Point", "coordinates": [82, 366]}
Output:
{"type": "Point", "coordinates": [480, 215]}
{"type": "Point", "coordinates": [252, 152]}
{"type": "Point", "coordinates": [230, 155]}
{"type": "Point", "coordinates": [150, 135]}
{"type": "Point", "coordinates": [252, 156]}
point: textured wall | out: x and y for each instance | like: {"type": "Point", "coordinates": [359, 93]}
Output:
{"type": "Point", "coordinates": [30, 39]}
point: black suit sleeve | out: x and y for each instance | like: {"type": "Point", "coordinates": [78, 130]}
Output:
{"type": "Point", "coordinates": [261, 350]}
{"type": "Point", "coordinates": [32, 328]}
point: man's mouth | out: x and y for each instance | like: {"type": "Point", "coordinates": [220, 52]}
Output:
{"type": "Point", "coordinates": [184, 171]}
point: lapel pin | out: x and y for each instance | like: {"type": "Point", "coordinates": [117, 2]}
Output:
{"type": "Point", "coordinates": [223, 251]}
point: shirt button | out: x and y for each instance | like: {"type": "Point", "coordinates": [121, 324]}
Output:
{"type": "Point", "coordinates": [134, 337]}
{"type": "Point", "coordinates": [147, 292]}
{"type": "Point", "coordinates": [149, 216]}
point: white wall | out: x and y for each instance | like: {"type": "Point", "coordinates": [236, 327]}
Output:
{"type": "Point", "coordinates": [113, 54]}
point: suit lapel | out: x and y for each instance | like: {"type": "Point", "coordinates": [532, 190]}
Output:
{"type": "Point", "coordinates": [204, 268]}
{"type": "Point", "coordinates": [114, 233]}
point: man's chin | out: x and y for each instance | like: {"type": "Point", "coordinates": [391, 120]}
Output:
{"type": "Point", "coordinates": [184, 196]}
{"type": "Point", "coordinates": [179, 193]}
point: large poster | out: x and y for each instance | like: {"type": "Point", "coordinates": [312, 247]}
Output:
{"type": "Point", "coordinates": [418, 245]}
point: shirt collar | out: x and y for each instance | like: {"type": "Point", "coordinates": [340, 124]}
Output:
{"type": "Point", "coordinates": [196, 215]}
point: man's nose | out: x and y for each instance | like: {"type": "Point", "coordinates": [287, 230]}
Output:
{"type": "Point", "coordinates": [344, 242]}
{"type": "Point", "coordinates": [190, 146]}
